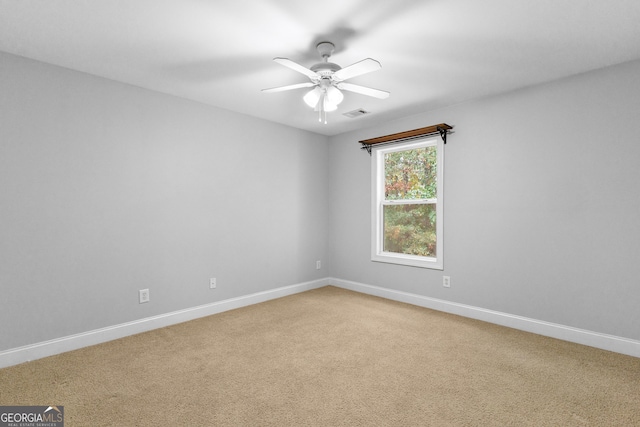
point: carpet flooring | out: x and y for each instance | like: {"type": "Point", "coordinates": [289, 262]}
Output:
{"type": "Point", "coordinates": [332, 357]}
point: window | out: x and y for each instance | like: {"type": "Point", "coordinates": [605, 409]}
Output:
{"type": "Point", "coordinates": [407, 183]}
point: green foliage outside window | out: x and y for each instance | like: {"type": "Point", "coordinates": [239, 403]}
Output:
{"type": "Point", "coordinates": [410, 228]}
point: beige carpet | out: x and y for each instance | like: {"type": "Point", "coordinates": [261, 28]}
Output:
{"type": "Point", "coordinates": [331, 357]}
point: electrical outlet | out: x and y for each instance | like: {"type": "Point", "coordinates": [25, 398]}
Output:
{"type": "Point", "coordinates": [446, 281]}
{"type": "Point", "coordinates": [318, 265]}
{"type": "Point", "coordinates": [212, 283]}
{"type": "Point", "coordinates": [143, 295]}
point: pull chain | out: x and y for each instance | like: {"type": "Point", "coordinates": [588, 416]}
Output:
{"type": "Point", "coordinates": [321, 109]}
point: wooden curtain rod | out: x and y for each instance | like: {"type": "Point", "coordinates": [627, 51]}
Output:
{"type": "Point", "coordinates": [441, 128]}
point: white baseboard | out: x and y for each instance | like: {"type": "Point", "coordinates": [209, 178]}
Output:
{"type": "Point", "coordinates": [593, 339]}
{"type": "Point", "coordinates": [73, 342]}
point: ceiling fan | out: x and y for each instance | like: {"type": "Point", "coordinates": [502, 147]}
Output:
{"type": "Point", "coordinates": [328, 79]}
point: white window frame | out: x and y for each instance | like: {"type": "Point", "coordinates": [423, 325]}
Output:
{"type": "Point", "coordinates": [377, 200]}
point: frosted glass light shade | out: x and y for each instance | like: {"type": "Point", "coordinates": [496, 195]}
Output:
{"type": "Point", "coordinates": [312, 97]}
{"type": "Point", "coordinates": [328, 105]}
{"type": "Point", "coordinates": [334, 95]}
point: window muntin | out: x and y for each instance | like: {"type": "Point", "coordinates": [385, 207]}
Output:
{"type": "Point", "coordinates": [407, 198]}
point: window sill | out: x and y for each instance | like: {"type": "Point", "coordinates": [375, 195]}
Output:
{"type": "Point", "coordinates": [408, 260]}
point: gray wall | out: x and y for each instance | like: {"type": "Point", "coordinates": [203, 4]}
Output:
{"type": "Point", "coordinates": [106, 189]}
{"type": "Point", "coordinates": [541, 204]}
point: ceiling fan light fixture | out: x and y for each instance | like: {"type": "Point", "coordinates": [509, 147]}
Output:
{"type": "Point", "coordinates": [312, 97]}
{"type": "Point", "coordinates": [334, 95]}
{"type": "Point", "coordinates": [331, 97]}
{"type": "Point", "coordinates": [328, 105]}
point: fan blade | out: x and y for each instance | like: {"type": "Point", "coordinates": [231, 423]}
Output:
{"type": "Point", "coordinates": [376, 93]}
{"type": "Point", "coordinates": [297, 67]}
{"type": "Point", "coordinates": [289, 87]}
{"type": "Point", "coordinates": [362, 67]}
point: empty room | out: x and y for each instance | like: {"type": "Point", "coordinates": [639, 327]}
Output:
{"type": "Point", "coordinates": [292, 213]}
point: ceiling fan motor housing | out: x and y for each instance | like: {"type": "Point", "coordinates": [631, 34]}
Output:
{"type": "Point", "coordinates": [325, 69]}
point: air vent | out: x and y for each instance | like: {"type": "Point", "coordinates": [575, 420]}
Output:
{"type": "Point", "coordinates": [356, 113]}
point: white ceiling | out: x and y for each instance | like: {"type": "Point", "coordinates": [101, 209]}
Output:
{"type": "Point", "coordinates": [433, 52]}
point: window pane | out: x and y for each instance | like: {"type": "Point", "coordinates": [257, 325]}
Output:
{"type": "Point", "coordinates": [410, 229]}
{"type": "Point", "coordinates": [410, 174]}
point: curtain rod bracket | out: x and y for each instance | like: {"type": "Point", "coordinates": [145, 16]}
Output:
{"type": "Point", "coordinates": [443, 134]}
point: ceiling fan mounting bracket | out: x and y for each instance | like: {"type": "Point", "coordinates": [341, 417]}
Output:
{"type": "Point", "coordinates": [325, 49]}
